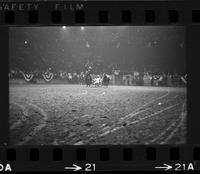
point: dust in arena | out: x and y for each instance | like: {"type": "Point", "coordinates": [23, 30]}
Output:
{"type": "Point", "coordinates": [100, 85]}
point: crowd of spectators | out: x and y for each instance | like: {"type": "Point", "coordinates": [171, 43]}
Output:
{"type": "Point", "coordinates": [149, 79]}
{"type": "Point", "coordinates": [117, 77]}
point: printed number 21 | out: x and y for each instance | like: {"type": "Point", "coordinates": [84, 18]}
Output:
{"type": "Point", "coordinates": [89, 167]}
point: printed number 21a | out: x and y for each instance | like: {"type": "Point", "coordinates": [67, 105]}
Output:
{"type": "Point", "coordinates": [90, 167]}
{"type": "Point", "coordinates": [184, 166]}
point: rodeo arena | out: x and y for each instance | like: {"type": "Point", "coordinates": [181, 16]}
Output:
{"type": "Point", "coordinates": [87, 108]}
{"type": "Point", "coordinates": [97, 85]}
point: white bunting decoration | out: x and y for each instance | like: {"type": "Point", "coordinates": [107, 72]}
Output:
{"type": "Point", "coordinates": [183, 79]}
{"type": "Point", "coordinates": [160, 78]}
{"type": "Point", "coordinates": [156, 77]}
{"type": "Point", "coordinates": [116, 72]}
{"type": "Point", "coordinates": [27, 77]}
{"type": "Point", "coordinates": [48, 76]}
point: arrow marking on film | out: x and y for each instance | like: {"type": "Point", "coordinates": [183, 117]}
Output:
{"type": "Point", "coordinates": [165, 167]}
{"type": "Point", "coordinates": [75, 168]}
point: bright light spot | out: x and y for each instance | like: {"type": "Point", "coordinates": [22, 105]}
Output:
{"type": "Point", "coordinates": [25, 42]}
{"type": "Point", "coordinates": [118, 45]}
{"type": "Point", "coordinates": [82, 28]}
{"type": "Point", "coordinates": [149, 45]}
{"type": "Point", "coordinates": [63, 27]}
{"type": "Point", "coordinates": [87, 45]}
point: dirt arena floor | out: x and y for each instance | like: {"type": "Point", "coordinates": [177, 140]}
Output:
{"type": "Point", "coordinates": [55, 114]}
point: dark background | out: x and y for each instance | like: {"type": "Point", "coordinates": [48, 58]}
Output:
{"type": "Point", "coordinates": [87, 0]}
{"type": "Point", "coordinates": [4, 103]}
{"type": "Point", "coordinates": [126, 48]}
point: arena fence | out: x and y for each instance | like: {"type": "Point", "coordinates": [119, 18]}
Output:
{"type": "Point", "coordinates": [127, 80]}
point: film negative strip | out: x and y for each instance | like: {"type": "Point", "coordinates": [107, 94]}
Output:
{"type": "Point", "coordinates": [99, 85]}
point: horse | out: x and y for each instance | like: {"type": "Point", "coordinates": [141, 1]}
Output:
{"type": "Point", "coordinates": [97, 81]}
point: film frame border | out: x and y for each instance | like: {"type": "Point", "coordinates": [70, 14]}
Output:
{"type": "Point", "coordinates": [116, 158]}
{"type": "Point", "coordinates": [185, 14]}
{"type": "Point", "coordinates": [99, 13]}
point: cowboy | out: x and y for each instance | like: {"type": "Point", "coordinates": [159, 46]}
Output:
{"type": "Point", "coordinates": [106, 80]}
{"type": "Point", "coordinates": [88, 78]}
